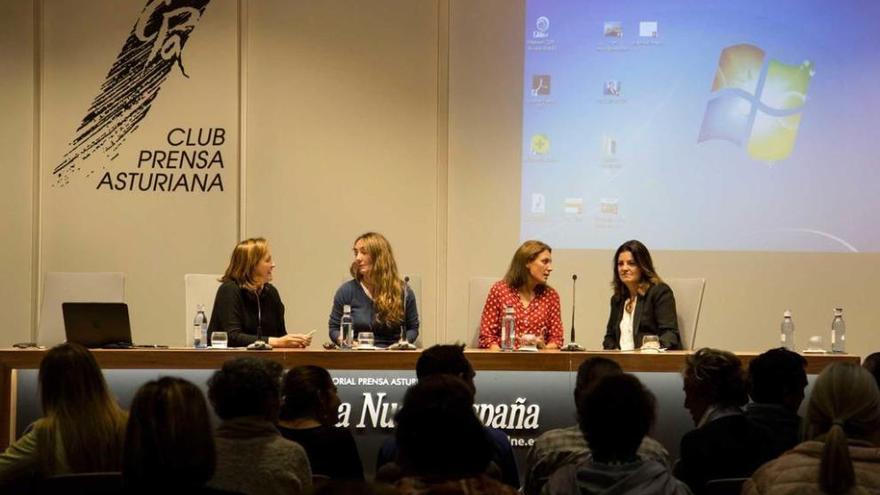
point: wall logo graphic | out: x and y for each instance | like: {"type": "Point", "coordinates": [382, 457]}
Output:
{"type": "Point", "coordinates": [154, 45]}
{"type": "Point", "coordinates": [757, 106]}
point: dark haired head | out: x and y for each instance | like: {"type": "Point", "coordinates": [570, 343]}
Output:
{"type": "Point", "coordinates": [590, 372]}
{"type": "Point", "coordinates": [643, 260]}
{"type": "Point", "coordinates": [445, 360]}
{"type": "Point", "coordinates": [79, 414]}
{"type": "Point", "coordinates": [246, 387]}
{"type": "Point", "coordinates": [615, 415]}
{"type": "Point", "coordinates": [778, 377]}
{"type": "Point", "coordinates": [713, 377]}
{"type": "Point", "coordinates": [309, 392]}
{"type": "Point", "coordinates": [169, 442]}
{"type": "Point", "coordinates": [438, 432]}
{"type": "Point", "coordinates": [872, 364]}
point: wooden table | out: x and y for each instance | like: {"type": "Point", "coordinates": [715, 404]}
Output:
{"type": "Point", "coordinates": [184, 358]}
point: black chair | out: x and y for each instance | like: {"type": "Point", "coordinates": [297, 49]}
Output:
{"type": "Point", "coordinates": [80, 484]}
{"type": "Point", "coordinates": [725, 486]}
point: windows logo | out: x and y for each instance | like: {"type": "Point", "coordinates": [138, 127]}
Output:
{"type": "Point", "coordinates": [757, 106]}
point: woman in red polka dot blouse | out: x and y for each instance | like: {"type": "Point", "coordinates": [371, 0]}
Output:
{"type": "Point", "coordinates": [525, 289]}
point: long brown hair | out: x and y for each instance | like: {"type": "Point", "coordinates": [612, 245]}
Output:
{"type": "Point", "coordinates": [845, 402]}
{"type": "Point", "coordinates": [517, 274]}
{"type": "Point", "coordinates": [384, 278]}
{"type": "Point", "coordinates": [169, 441]}
{"type": "Point", "coordinates": [245, 257]}
{"type": "Point", "coordinates": [78, 413]}
{"type": "Point", "coordinates": [642, 257]}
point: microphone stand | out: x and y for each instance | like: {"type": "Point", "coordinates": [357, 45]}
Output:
{"type": "Point", "coordinates": [572, 346]}
{"type": "Point", "coordinates": [403, 344]}
{"type": "Point", "coordinates": [259, 344]}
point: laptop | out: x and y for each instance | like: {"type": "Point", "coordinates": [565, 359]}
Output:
{"type": "Point", "coordinates": [96, 325]}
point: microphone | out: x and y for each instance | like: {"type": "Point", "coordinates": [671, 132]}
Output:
{"type": "Point", "coordinates": [572, 345]}
{"type": "Point", "coordinates": [259, 344]}
{"type": "Point", "coordinates": [403, 344]}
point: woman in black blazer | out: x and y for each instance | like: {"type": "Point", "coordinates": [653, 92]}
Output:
{"type": "Point", "coordinates": [641, 302]}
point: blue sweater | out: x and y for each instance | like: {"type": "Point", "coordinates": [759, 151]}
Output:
{"type": "Point", "coordinates": [364, 315]}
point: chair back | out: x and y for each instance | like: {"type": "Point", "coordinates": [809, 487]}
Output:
{"type": "Point", "coordinates": [478, 292]}
{"type": "Point", "coordinates": [688, 304]}
{"type": "Point", "coordinates": [201, 289]}
{"type": "Point", "coordinates": [725, 486]}
{"type": "Point", "coordinates": [62, 287]}
{"type": "Point", "coordinates": [81, 484]}
{"type": "Point", "coordinates": [415, 284]}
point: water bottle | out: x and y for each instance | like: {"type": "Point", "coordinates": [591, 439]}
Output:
{"type": "Point", "coordinates": [508, 329]}
{"type": "Point", "coordinates": [787, 331]}
{"type": "Point", "coordinates": [200, 328]}
{"type": "Point", "coordinates": [346, 327]}
{"type": "Point", "coordinates": [838, 332]}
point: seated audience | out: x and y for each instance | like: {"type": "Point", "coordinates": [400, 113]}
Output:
{"type": "Point", "coordinates": [252, 456]}
{"type": "Point", "coordinates": [615, 416]}
{"type": "Point", "coordinates": [443, 446]}
{"type": "Point", "coordinates": [843, 453]}
{"type": "Point", "coordinates": [309, 413]}
{"type": "Point", "coordinates": [777, 379]}
{"type": "Point", "coordinates": [872, 364]}
{"type": "Point", "coordinates": [82, 428]}
{"type": "Point", "coordinates": [564, 446]}
{"type": "Point", "coordinates": [450, 360]}
{"type": "Point", "coordinates": [725, 443]}
{"type": "Point", "coordinates": [169, 445]}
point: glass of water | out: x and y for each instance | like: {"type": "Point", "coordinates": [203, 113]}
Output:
{"type": "Point", "coordinates": [366, 339]}
{"type": "Point", "coordinates": [219, 340]}
{"type": "Point", "coordinates": [650, 343]}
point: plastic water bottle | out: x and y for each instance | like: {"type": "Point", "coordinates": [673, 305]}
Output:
{"type": "Point", "coordinates": [200, 328]}
{"type": "Point", "coordinates": [508, 329]}
{"type": "Point", "coordinates": [787, 331]}
{"type": "Point", "coordinates": [346, 327]}
{"type": "Point", "coordinates": [838, 332]}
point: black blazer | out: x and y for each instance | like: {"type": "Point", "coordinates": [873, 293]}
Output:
{"type": "Point", "coordinates": [655, 314]}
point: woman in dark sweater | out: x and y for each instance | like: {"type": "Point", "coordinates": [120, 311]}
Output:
{"type": "Point", "coordinates": [309, 413]}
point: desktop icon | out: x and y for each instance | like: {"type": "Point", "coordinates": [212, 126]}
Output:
{"type": "Point", "coordinates": [609, 146]}
{"type": "Point", "coordinates": [539, 144]}
{"type": "Point", "coordinates": [539, 204]}
{"type": "Point", "coordinates": [541, 85]}
{"type": "Point", "coordinates": [573, 206]}
{"type": "Point", "coordinates": [542, 25]}
{"type": "Point", "coordinates": [648, 29]}
{"type": "Point", "coordinates": [611, 88]}
{"type": "Point", "coordinates": [613, 29]}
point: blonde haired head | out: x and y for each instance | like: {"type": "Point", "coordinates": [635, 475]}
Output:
{"type": "Point", "coordinates": [383, 278]}
{"type": "Point", "coordinates": [245, 257]}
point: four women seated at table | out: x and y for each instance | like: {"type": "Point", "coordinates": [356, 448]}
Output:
{"type": "Point", "coordinates": [249, 308]}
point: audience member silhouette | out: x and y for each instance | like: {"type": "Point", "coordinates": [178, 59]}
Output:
{"type": "Point", "coordinates": [169, 443]}
{"type": "Point", "coordinates": [725, 443]}
{"type": "Point", "coordinates": [309, 413]}
{"type": "Point", "coordinates": [82, 429]}
{"type": "Point", "coordinates": [842, 454]}
{"type": "Point", "coordinates": [443, 445]}
{"type": "Point", "coordinates": [450, 360]}
{"type": "Point", "coordinates": [252, 456]}
{"type": "Point", "coordinates": [564, 446]}
{"type": "Point", "coordinates": [776, 383]}
{"type": "Point", "coordinates": [615, 415]}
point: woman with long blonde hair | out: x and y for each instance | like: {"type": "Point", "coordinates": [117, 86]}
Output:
{"type": "Point", "coordinates": [82, 428]}
{"type": "Point", "coordinates": [247, 306]}
{"type": "Point", "coordinates": [842, 453]}
{"type": "Point", "coordinates": [375, 294]}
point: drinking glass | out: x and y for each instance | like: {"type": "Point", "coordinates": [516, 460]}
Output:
{"type": "Point", "coordinates": [528, 341]}
{"type": "Point", "coordinates": [219, 340]}
{"type": "Point", "coordinates": [366, 339]}
{"type": "Point", "coordinates": [650, 343]}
